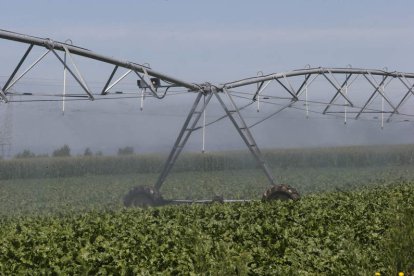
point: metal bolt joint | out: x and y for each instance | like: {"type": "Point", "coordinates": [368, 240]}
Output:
{"type": "Point", "coordinates": [208, 88]}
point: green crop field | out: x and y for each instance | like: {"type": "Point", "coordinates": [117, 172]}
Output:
{"type": "Point", "coordinates": [356, 215]}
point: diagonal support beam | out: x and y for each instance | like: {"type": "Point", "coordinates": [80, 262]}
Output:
{"type": "Point", "coordinates": [272, 114]}
{"type": "Point", "coordinates": [298, 92]}
{"type": "Point", "coordinates": [259, 89]}
{"type": "Point", "coordinates": [222, 117]}
{"type": "Point", "coordinates": [7, 85]}
{"type": "Point", "coordinates": [27, 70]}
{"type": "Point", "coordinates": [232, 112]}
{"type": "Point", "coordinates": [371, 97]}
{"type": "Point", "coordinates": [3, 96]}
{"type": "Point", "coordinates": [302, 88]}
{"type": "Point", "coordinates": [192, 119]}
{"type": "Point", "coordinates": [85, 88]}
{"type": "Point", "coordinates": [337, 88]}
{"type": "Point", "coordinates": [104, 90]}
{"type": "Point", "coordinates": [290, 90]}
{"type": "Point", "coordinates": [305, 82]}
{"type": "Point", "coordinates": [410, 88]}
{"type": "Point", "coordinates": [380, 90]}
{"type": "Point", "coordinates": [343, 85]}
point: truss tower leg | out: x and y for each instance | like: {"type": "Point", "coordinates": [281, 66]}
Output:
{"type": "Point", "coordinates": [189, 126]}
{"type": "Point", "coordinates": [233, 112]}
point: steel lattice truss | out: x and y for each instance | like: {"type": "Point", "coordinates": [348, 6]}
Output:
{"type": "Point", "coordinates": [347, 93]}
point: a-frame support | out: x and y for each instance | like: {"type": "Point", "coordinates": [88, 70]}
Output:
{"type": "Point", "coordinates": [233, 112]}
{"type": "Point", "coordinates": [190, 125]}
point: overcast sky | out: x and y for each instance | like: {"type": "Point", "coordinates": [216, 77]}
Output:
{"type": "Point", "coordinates": [220, 40]}
{"type": "Point", "coordinates": [216, 41]}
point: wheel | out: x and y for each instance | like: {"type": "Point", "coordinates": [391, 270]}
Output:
{"type": "Point", "coordinates": [143, 197]}
{"type": "Point", "coordinates": [217, 199]}
{"type": "Point", "coordinates": [280, 192]}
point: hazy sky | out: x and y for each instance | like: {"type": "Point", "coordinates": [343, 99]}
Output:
{"type": "Point", "coordinates": [216, 41]}
{"type": "Point", "coordinates": [222, 40]}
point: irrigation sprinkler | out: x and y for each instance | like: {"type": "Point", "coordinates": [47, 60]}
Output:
{"type": "Point", "coordinates": [348, 94]}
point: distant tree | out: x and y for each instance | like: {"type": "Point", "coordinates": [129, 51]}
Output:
{"type": "Point", "coordinates": [87, 152]}
{"type": "Point", "coordinates": [126, 151]}
{"type": "Point", "coordinates": [99, 153]}
{"type": "Point", "coordinates": [25, 154]}
{"type": "Point", "coordinates": [62, 152]}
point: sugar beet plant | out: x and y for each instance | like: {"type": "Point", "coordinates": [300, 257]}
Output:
{"type": "Point", "coordinates": [341, 233]}
{"type": "Point", "coordinates": [353, 219]}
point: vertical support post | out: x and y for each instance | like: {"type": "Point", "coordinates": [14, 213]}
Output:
{"type": "Point", "coordinates": [260, 89]}
{"type": "Point", "coordinates": [382, 106]}
{"type": "Point", "coordinates": [346, 94]}
{"type": "Point", "coordinates": [143, 90]}
{"type": "Point", "coordinates": [87, 90]}
{"type": "Point", "coordinates": [306, 102]}
{"type": "Point", "coordinates": [345, 105]}
{"type": "Point", "coordinates": [78, 79]}
{"type": "Point", "coordinates": [257, 96]}
{"type": "Point", "coordinates": [64, 85]}
{"type": "Point", "coordinates": [192, 119]}
{"type": "Point", "coordinates": [244, 132]}
{"type": "Point", "coordinates": [204, 127]}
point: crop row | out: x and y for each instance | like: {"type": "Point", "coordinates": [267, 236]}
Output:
{"type": "Point", "coordinates": [100, 192]}
{"type": "Point", "coordinates": [51, 167]}
{"type": "Point", "coordinates": [352, 233]}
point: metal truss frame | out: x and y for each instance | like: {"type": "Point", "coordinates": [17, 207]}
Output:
{"type": "Point", "coordinates": [223, 92]}
{"type": "Point", "coordinates": [190, 125]}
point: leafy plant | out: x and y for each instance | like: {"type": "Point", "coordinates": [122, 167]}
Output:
{"type": "Point", "coordinates": [65, 216]}
{"type": "Point", "coordinates": [345, 233]}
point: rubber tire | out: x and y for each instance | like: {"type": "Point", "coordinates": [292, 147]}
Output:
{"type": "Point", "coordinates": [280, 192]}
{"type": "Point", "coordinates": [217, 199]}
{"type": "Point", "coordinates": [142, 197]}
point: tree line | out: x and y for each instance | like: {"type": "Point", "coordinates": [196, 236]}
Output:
{"type": "Point", "coordinates": [65, 151]}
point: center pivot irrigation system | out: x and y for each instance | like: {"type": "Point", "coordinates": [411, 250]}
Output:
{"type": "Point", "coordinates": [353, 93]}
